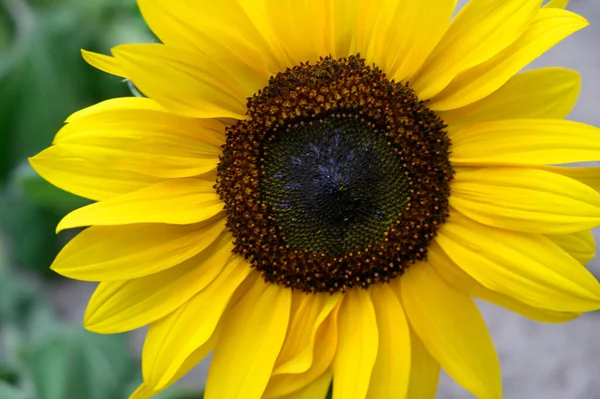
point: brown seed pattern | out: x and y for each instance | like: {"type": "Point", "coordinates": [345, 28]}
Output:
{"type": "Point", "coordinates": [320, 95]}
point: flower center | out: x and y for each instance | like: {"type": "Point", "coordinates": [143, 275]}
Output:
{"type": "Point", "coordinates": [334, 184]}
{"type": "Point", "coordinates": [339, 178]}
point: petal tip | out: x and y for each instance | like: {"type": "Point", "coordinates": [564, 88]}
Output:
{"type": "Point", "coordinates": [60, 227]}
{"type": "Point", "coordinates": [56, 268]}
{"type": "Point", "coordinates": [103, 62]}
{"type": "Point", "coordinates": [33, 162]}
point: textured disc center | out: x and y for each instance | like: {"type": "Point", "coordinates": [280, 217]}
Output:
{"type": "Point", "coordinates": [334, 183]}
{"type": "Point", "coordinates": [338, 178]}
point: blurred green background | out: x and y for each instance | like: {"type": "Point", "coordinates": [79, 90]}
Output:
{"type": "Point", "coordinates": [42, 80]}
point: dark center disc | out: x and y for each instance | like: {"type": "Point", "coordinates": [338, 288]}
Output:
{"type": "Point", "coordinates": [334, 184]}
{"type": "Point", "coordinates": [338, 178]}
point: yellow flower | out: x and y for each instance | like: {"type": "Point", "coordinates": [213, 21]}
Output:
{"type": "Point", "coordinates": [317, 189]}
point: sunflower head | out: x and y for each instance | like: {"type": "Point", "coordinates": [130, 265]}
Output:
{"type": "Point", "coordinates": [339, 177]}
{"type": "Point", "coordinates": [317, 190]}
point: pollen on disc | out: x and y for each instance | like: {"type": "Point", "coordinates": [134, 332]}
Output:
{"type": "Point", "coordinates": [339, 178]}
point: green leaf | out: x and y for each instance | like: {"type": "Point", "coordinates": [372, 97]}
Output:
{"type": "Point", "coordinates": [46, 80]}
{"type": "Point", "coordinates": [25, 314]}
{"type": "Point", "coordinates": [30, 209]}
{"type": "Point", "coordinates": [3, 257]}
{"type": "Point", "coordinates": [32, 231]}
{"type": "Point", "coordinates": [6, 33]}
{"type": "Point", "coordinates": [8, 108]}
{"type": "Point", "coordinates": [10, 392]}
{"type": "Point", "coordinates": [49, 90]}
{"type": "Point", "coordinates": [79, 364]}
{"type": "Point", "coordinates": [16, 298]}
{"type": "Point", "coordinates": [7, 374]}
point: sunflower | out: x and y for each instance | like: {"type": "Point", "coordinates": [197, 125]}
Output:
{"type": "Point", "coordinates": [317, 190]}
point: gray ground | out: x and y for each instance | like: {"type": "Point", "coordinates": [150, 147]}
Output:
{"type": "Point", "coordinates": [538, 360]}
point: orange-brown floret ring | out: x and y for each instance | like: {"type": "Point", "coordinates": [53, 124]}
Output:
{"type": "Point", "coordinates": [340, 128]}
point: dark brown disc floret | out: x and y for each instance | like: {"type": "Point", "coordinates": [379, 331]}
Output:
{"type": "Point", "coordinates": [339, 177]}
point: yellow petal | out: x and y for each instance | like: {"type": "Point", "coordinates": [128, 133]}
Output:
{"type": "Point", "coordinates": [106, 109]}
{"type": "Point", "coordinates": [315, 390]}
{"type": "Point", "coordinates": [260, 21]}
{"type": "Point", "coordinates": [424, 371]}
{"type": "Point", "coordinates": [311, 36]}
{"type": "Point", "coordinates": [549, 27]}
{"type": "Point", "coordinates": [404, 33]}
{"type": "Point", "coordinates": [321, 28]}
{"type": "Point", "coordinates": [130, 137]}
{"type": "Point", "coordinates": [539, 93]}
{"type": "Point", "coordinates": [253, 334]}
{"type": "Point", "coordinates": [105, 63]}
{"type": "Point", "coordinates": [181, 201]}
{"type": "Point", "coordinates": [325, 345]}
{"type": "Point", "coordinates": [527, 267]}
{"type": "Point", "coordinates": [200, 353]}
{"type": "Point", "coordinates": [146, 152]}
{"type": "Point", "coordinates": [192, 361]}
{"type": "Point", "coordinates": [172, 340]}
{"type": "Point", "coordinates": [119, 306]}
{"type": "Point", "coordinates": [481, 30]}
{"type": "Point", "coordinates": [580, 245]}
{"type": "Point", "coordinates": [464, 283]}
{"type": "Point", "coordinates": [79, 176]}
{"type": "Point", "coordinates": [587, 175]}
{"type": "Point", "coordinates": [304, 311]}
{"type": "Point", "coordinates": [99, 254]}
{"type": "Point", "coordinates": [391, 373]}
{"type": "Point", "coordinates": [366, 16]}
{"type": "Point", "coordinates": [194, 26]}
{"type": "Point", "coordinates": [239, 47]}
{"type": "Point", "coordinates": [452, 330]}
{"type": "Point", "coordinates": [557, 4]}
{"type": "Point", "coordinates": [186, 82]}
{"type": "Point", "coordinates": [344, 24]}
{"type": "Point", "coordinates": [142, 392]}
{"type": "Point", "coordinates": [137, 113]}
{"type": "Point", "coordinates": [297, 352]}
{"type": "Point", "coordinates": [524, 199]}
{"type": "Point", "coordinates": [525, 142]}
{"type": "Point", "coordinates": [357, 346]}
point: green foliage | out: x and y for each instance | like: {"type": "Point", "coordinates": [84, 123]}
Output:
{"type": "Point", "coordinates": [78, 364]}
{"type": "Point", "coordinates": [30, 208]}
{"type": "Point", "coordinates": [8, 391]}
{"type": "Point", "coordinates": [43, 194]}
{"type": "Point", "coordinates": [42, 80]}
{"type": "Point", "coordinates": [46, 359]}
